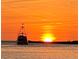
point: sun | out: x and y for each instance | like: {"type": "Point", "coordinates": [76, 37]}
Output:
{"type": "Point", "coordinates": [47, 37]}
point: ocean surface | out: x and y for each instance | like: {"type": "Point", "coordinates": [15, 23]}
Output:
{"type": "Point", "coordinates": [39, 51]}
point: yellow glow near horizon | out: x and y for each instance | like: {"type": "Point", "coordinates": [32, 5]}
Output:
{"type": "Point", "coordinates": [47, 37]}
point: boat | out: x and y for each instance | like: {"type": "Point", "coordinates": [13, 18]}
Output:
{"type": "Point", "coordinates": [22, 38]}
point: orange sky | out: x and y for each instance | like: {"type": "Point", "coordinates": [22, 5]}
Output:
{"type": "Point", "coordinates": [58, 17]}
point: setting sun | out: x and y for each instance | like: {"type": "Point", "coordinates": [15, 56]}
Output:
{"type": "Point", "coordinates": [48, 37]}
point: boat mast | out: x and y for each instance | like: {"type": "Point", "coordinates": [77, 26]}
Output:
{"type": "Point", "coordinates": [22, 32]}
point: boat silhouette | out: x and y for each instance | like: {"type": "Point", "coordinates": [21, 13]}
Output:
{"type": "Point", "coordinates": [22, 38]}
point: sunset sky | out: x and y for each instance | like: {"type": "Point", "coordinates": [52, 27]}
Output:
{"type": "Point", "coordinates": [41, 17]}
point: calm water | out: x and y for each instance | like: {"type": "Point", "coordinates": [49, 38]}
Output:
{"type": "Point", "coordinates": [39, 51]}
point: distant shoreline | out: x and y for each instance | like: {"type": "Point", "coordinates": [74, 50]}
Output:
{"type": "Point", "coordinates": [68, 42]}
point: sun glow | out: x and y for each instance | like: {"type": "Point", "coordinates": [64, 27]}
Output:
{"type": "Point", "coordinates": [47, 37]}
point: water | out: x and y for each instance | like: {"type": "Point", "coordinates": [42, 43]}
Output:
{"type": "Point", "coordinates": [40, 51]}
